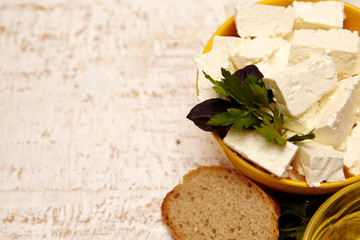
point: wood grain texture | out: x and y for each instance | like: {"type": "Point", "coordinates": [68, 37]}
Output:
{"type": "Point", "coordinates": [93, 97]}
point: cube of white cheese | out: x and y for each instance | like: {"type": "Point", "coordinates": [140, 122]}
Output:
{"type": "Point", "coordinates": [336, 114]}
{"type": "Point", "coordinates": [280, 58]}
{"type": "Point", "coordinates": [224, 42]}
{"type": "Point", "coordinates": [341, 44]}
{"type": "Point", "coordinates": [277, 61]}
{"type": "Point", "coordinates": [255, 20]}
{"type": "Point", "coordinates": [211, 63]}
{"type": "Point", "coordinates": [355, 169]}
{"type": "Point", "coordinates": [357, 111]}
{"type": "Point", "coordinates": [304, 123]}
{"type": "Point", "coordinates": [298, 87]}
{"type": "Point", "coordinates": [319, 15]}
{"type": "Point", "coordinates": [266, 69]}
{"type": "Point", "coordinates": [356, 68]}
{"type": "Point", "coordinates": [252, 51]}
{"type": "Point", "coordinates": [318, 163]}
{"type": "Point", "coordinates": [351, 152]}
{"type": "Point", "coordinates": [268, 155]}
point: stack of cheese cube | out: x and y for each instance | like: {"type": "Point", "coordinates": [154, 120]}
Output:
{"type": "Point", "coordinates": [312, 64]}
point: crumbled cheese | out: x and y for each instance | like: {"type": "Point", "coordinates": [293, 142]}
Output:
{"type": "Point", "coordinates": [352, 151]}
{"type": "Point", "coordinates": [252, 51]}
{"type": "Point", "coordinates": [322, 15]}
{"type": "Point", "coordinates": [336, 114]}
{"type": "Point", "coordinates": [255, 20]}
{"type": "Point", "coordinates": [298, 87]}
{"type": "Point", "coordinates": [268, 155]}
{"type": "Point", "coordinates": [318, 163]}
{"type": "Point", "coordinates": [341, 44]}
{"type": "Point", "coordinates": [294, 175]}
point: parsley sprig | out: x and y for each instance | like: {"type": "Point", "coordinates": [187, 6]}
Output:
{"type": "Point", "coordinates": [249, 107]}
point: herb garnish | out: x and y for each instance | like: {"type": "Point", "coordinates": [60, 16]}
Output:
{"type": "Point", "coordinates": [296, 212]}
{"type": "Point", "coordinates": [248, 106]}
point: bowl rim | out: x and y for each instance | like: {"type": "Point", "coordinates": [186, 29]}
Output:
{"type": "Point", "coordinates": [262, 177]}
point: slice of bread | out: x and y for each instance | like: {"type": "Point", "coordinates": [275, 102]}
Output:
{"type": "Point", "coordinates": [217, 202]}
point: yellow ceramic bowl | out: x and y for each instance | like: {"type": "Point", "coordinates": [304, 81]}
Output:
{"type": "Point", "coordinates": [339, 215]}
{"type": "Point", "coordinates": [352, 22]}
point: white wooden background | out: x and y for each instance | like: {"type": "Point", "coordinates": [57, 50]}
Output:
{"type": "Point", "coordinates": [93, 99]}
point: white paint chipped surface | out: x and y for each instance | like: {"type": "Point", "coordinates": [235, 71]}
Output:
{"type": "Point", "coordinates": [93, 97]}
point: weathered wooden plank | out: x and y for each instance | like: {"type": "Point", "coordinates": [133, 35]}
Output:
{"type": "Point", "coordinates": [94, 97]}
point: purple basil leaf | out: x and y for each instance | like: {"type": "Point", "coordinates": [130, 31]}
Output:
{"type": "Point", "coordinates": [201, 113]}
{"type": "Point", "coordinates": [248, 70]}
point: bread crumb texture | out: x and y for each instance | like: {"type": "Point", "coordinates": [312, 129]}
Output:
{"type": "Point", "coordinates": [216, 202]}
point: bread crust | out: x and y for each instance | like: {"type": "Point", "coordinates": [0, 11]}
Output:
{"type": "Point", "coordinates": [214, 183]}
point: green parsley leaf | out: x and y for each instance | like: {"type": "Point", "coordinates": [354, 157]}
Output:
{"type": "Point", "coordinates": [239, 118]}
{"type": "Point", "coordinates": [250, 106]}
{"type": "Point", "coordinates": [247, 93]}
{"type": "Point", "coordinates": [252, 95]}
{"type": "Point", "coordinates": [298, 138]}
{"type": "Point", "coordinates": [217, 85]}
{"type": "Point", "coordinates": [235, 89]}
{"type": "Point", "coordinates": [278, 119]}
{"type": "Point", "coordinates": [259, 96]}
{"type": "Point", "coordinates": [267, 130]}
